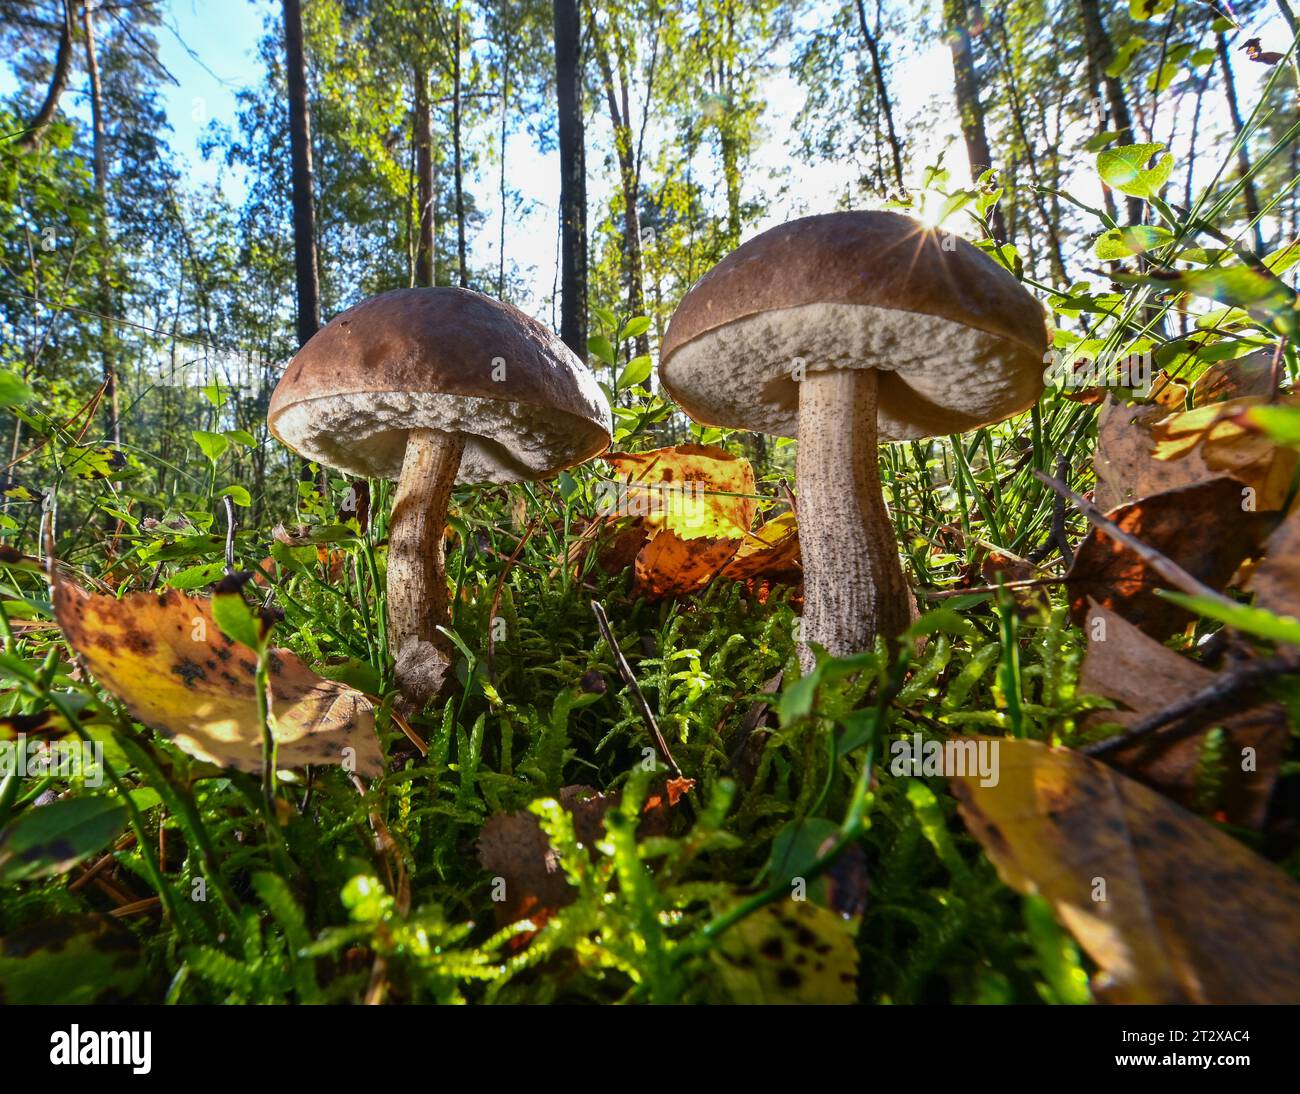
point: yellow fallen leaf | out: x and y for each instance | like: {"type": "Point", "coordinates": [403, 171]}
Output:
{"type": "Point", "coordinates": [770, 551]}
{"type": "Point", "coordinates": [688, 489]}
{"type": "Point", "coordinates": [1227, 447]}
{"type": "Point", "coordinates": [792, 952]}
{"type": "Point", "coordinates": [1170, 908]}
{"type": "Point", "coordinates": [165, 658]}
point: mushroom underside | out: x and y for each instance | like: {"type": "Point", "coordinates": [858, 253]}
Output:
{"type": "Point", "coordinates": [366, 434]}
{"type": "Point", "coordinates": [937, 376]}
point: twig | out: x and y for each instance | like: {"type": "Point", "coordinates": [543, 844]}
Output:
{"type": "Point", "coordinates": [230, 535]}
{"type": "Point", "coordinates": [625, 671]}
{"type": "Point", "coordinates": [1058, 516]}
{"type": "Point", "coordinates": [1196, 709]}
{"type": "Point", "coordinates": [1027, 583]}
{"type": "Point", "coordinates": [1166, 567]}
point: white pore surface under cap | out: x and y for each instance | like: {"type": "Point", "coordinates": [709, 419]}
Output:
{"type": "Point", "coordinates": [365, 435]}
{"type": "Point", "coordinates": [937, 376]}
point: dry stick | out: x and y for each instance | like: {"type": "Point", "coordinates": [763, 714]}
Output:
{"type": "Point", "coordinates": [1027, 583]}
{"type": "Point", "coordinates": [230, 535]}
{"type": "Point", "coordinates": [1198, 708]}
{"type": "Point", "coordinates": [1058, 516]}
{"type": "Point", "coordinates": [1165, 567]}
{"type": "Point", "coordinates": [625, 671]}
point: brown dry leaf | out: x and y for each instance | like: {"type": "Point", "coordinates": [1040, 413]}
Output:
{"type": "Point", "coordinates": [686, 489]}
{"type": "Point", "coordinates": [669, 566]}
{"type": "Point", "coordinates": [514, 847]}
{"type": "Point", "coordinates": [1242, 376]}
{"type": "Point", "coordinates": [1142, 677]}
{"type": "Point", "coordinates": [1126, 469]}
{"type": "Point", "coordinates": [1189, 916]}
{"type": "Point", "coordinates": [165, 658]}
{"type": "Point", "coordinates": [1276, 581]}
{"type": "Point", "coordinates": [1224, 446]}
{"type": "Point", "coordinates": [1201, 527]}
{"type": "Point", "coordinates": [771, 551]}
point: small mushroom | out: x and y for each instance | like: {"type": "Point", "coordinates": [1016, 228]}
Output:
{"type": "Point", "coordinates": [846, 330]}
{"type": "Point", "coordinates": [434, 387]}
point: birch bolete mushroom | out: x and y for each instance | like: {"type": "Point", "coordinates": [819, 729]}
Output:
{"type": "Point", "coordinates": [847, 330]}
{"type": "Point", "coordinates": [434, 387]}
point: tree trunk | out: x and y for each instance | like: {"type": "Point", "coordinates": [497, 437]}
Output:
{"type": "Point", "coordinates": [1101, 53]}
{"type": "Point", "coordinates": [505, 97]}
{"type": "Point", "coordinates": [882, 93]}
{"type": "Point", "coordinates": [58, 84]}
{"type": "Point", "coordinates": [304, 208]}
{"type": "Point", "coordinates": [573, 175]}
{"type": "Point", "coordinates": [617, 101]}
{"type": "Point", "coordinates": [462, 268]}
{"type": "Point", "coordinates": [426, 245]}
{"type": "Point", "coordinates": [107, 336]}
{"type": "Point", "coordinates": [1248, 192]}
{"type": "Point", "coordinates": [966, 86]}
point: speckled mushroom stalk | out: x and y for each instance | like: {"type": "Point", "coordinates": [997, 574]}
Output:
{"type": "Point", "coordinates": [417, 573]}
{"type": "Point", "coordinates": [854, 588]}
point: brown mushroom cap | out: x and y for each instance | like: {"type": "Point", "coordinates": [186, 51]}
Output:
{"type": "Point", "coordinates": [445, 359]}
{"type": "Point", "coordinates": [957, 341]}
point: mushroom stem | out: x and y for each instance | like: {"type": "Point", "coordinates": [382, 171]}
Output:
{"type": "Point", "coordinates": [417, 576]}
{"type": "Point", "coordinates": [854, 589]}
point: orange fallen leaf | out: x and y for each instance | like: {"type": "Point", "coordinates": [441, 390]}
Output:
{"type": "Point", "coordinates": [1224, 380]}
{"type": "Point", "coordinates": [1142, 676]}
{"type": "Point", "coordinates": [1201, 527]}
{"type": "Point", "coordinates": [166, 659]}
{"type": "Point", "coordinates": [770, 551]}
{"type": "Point", "coordinates": [669, 566]}
{"type": "Point", "coordinates": [1170, 908]}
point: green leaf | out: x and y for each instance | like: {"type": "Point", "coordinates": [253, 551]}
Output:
{"type": "Point", "coordinates": [90, 463]}
{"type": "Point", "coordinates": [635, 327]}
{"type": "Point", "coordinates": [70, 960]}
{"type": "Point", "coordinates": [1284, 257]}
{"type": "Point", "coordinates": [238, 495]}
{"type": "Point", "coordinates": [797, 846]}
{"type": "Point", "coordinates": [1148, 9]}
{"type": "Point", "coordinates": [216, 393]}
{"type": "Point", "coordinates": [236, 618]}
{"type": "Point", "coordinates": [14, 389]}
{"type": "Point", "coordinates": [197, 577]}
{"type": "Point", "coordinates": [636, 372]}
{"type": "Point", "coordinates": [241, 437]}
{"type": "Point", "coordinates": [51, 839]}
{"type": "Point", "coordinates": [1281, 423]}
{"type": "Point", "coordinates": [1125, 169]}
{"type": "Point", "coordinates": [212, 445]}
{"type": "Point", "coordinates": [1257, 621]}
{"type": "Point", "coordinates": [607, 318]}
{"type": "Point", "coordinates": [1135, 240]}
{"type": "Point", "coordinates": [602, 348]}
{"type": "Point", "coordinates": [1124, 56]}
{"type": "Point", "coordinates": [1266, 299]}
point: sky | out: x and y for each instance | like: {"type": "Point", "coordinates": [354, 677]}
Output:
{"type": "Point", "coordinates": [210, 48]}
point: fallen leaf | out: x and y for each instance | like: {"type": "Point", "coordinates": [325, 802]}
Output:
{"type": "Point", "coordinates": [1189, 915]}
{"type": "Point", "coordinates": [795, 952]}
{"type": "Point", "coordinates": [166, 659]}
{"type": "Point", "coordinates": [1276, 580]}
{"type": "Point", "coordinates": [688, 489]}
{"type": "Point", "coordinates": [1251, 375]}
{"type": "Point", "coordinates": [1201, 527]}
{"type": "Point", "coordinates": [771, 551]}
{"type": "Point", "coordinates": [669, 566]}
{"type": "Point", "coordinates": [1225, 445]}
{"type": "Point", "coordinates": [514, 848]}
{"type": "Point", "coordinates": [1124, 462]}
{"type": "Point", "coordinates": [1142, 676]}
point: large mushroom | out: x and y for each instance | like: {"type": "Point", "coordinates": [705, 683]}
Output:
{"type": "Point", "coordinates": [434, 387]}
{"type": "Point", "coordinates": [846, 330]}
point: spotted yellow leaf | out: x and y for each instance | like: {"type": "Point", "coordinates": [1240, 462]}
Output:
{"type": "Point", "coordinates": [166, 659]}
